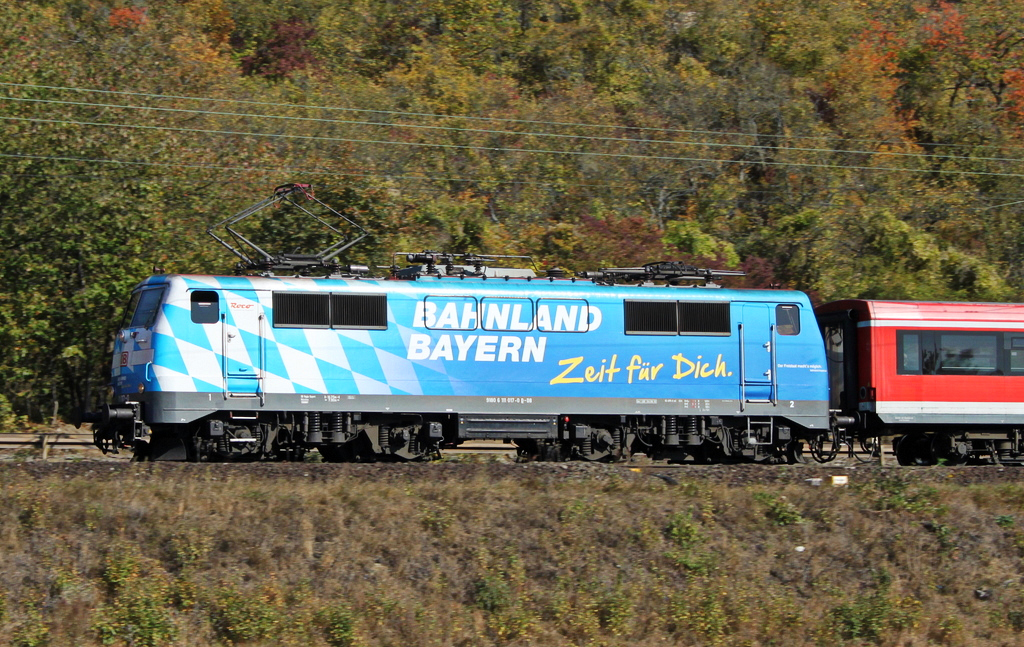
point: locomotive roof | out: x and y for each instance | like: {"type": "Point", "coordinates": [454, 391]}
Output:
{"type": "Point", "coordinates": [563, 287]}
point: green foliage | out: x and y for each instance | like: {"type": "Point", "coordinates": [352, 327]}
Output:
{"type": "Point", "coordinates": [243, 615]}
{"type": "Point", "coordinates": [32, 632]}
{"type": "Point", "coordinates": [870, 616]}
{"type": "Point", "coordinates": [779, 510]}
{"type": "Point", "coordinates": [898, 493]}
{"type": "Point", "coordinates": [139, 610]}
{"type": "Point", "coordinates": [338, 625]}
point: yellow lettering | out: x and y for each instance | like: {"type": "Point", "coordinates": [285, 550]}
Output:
{"type": "Point", "coordinates": [634, 365]}
{"type": "Point", "coordinates": [680, 360]}
{"type": "Point", "coordinates": [720, 367]}
{"type": "Point", "coordinates": [572, 362]}
{"type": "Point", "coordinates": [611, 371]}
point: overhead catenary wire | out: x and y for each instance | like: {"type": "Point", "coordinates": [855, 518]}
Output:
{"type": "Point", "coordinates": [383, 175]}
{"type": "Point", "coordinates": [464, 117]}
{"type": "Point", "coordinates": [850, 167]}
{"type": "Point", "coordinates": [485, 131]}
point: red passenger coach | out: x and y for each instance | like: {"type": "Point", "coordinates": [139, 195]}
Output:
{"type": "Point", "coordinates": [947, 379]}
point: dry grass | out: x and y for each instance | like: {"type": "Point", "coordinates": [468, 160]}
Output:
{"type": "Point", "coordinates": [527, 555]}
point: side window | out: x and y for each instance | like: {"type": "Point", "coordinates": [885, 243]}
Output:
{"type": "Point", "coordinates": [507, 314]}
{"type": "Point", "coordinates": [448, 313]}
{"type": "Point", "coordinates": [1016, 355]}
{"type": "Point", "coordinates": [205, 307]}
{"type": "Point", "coordinates": [143, 308]}
{"type": "Point", "coordinates": [787, 319]}
{"type": "Point", "coordinates": [908, 353]}
{"type": "Point", "coordinates": [972, 353]}
{"type": "Point", "coordinates": [565, 315]}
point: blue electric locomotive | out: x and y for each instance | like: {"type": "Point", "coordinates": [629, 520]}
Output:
{"type": "Point", "coordinates": [228, 367]}
{"type": "Point", "coordinates": [220, 366]}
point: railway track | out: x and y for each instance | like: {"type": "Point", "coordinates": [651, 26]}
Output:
{"type": "Point", "coordinates": [46, 441]}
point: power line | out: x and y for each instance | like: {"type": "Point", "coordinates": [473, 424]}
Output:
{"type": "Point", "coordinates": [250, 169]}
{"type": "Point", "coordinates": [622, 140]}
{"type": "Point", "coordinates": [466, 117]}
{"type": "Point", "coordinates": [416, 178]}
{"type": "Point", "coordinates": [848, 167]}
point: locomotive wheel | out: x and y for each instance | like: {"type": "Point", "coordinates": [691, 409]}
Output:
{"type": "Point", "coordinates": [915, 449]}
{"type": "Point", "coordinates": [795, 452]}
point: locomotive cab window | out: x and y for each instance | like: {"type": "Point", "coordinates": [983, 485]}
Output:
{"type": "Point", "coordinates": [143, 308]}
{"type": "Point", "coordinates": [205, 307]}
{"type": "Point", "coordinates": [787, 319]}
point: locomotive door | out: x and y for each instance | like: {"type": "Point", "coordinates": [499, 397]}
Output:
{"type": "Point", "coordinates": [243, 342]}
{"type": "Point", "coordinates": [756, 330]}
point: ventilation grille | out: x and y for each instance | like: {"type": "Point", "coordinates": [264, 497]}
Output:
{"type": "Point", "coordinates": [651, 318]}
{"type": "Point", "coordinates": [696, 318]}
{"type": "Point", "coordinates": [324, 310]}
{"type": "Point", "coordinates": [359, 311]}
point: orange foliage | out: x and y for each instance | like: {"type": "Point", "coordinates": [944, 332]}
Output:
{"type": "Point", "coordinates": [127, 18]}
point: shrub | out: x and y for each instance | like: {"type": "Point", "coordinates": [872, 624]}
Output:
{"type": "Point", "coordinates": [337, 624]}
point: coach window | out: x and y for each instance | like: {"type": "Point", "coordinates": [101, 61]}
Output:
{"type": "Point", "coordinates": [908, 347]}
{"type": "Point", "coordinates": [787, 320]}
{"type": "Point", "coordinates": [1016, 348]}
{"type": "Point", "coordinates": [205, 307]}
{"type": "Point", "coordinates": [971, 353]}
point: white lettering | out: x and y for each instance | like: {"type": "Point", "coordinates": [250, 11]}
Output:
{"type": "Point", "coordinates": [485, 348]}
{"type": "Point", "coordinates": [591, 319]}
{"type": "Point", "coordinates": [449, 317]}
{"type": "Point", "coordinates": [533, 347]}
{"type": "Point", "coordinates": [419, 346]}
{"type": "Point", "coordinates": [496, 316]}
{"type": "Point", "coordinates": [464, 345]}
{"type": "Point", "coordinates": [565, 318]}
{"type": "Point", "coordinates": [443, 350]}
{"type": "Point", "coordinates": [509, 348]}
{"type": "Point", "coordinates": [468, 316]}
{"type": "Point", "coordinates": [517, 318]}
{"type": "Point", "coordinates": [543, 318]}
